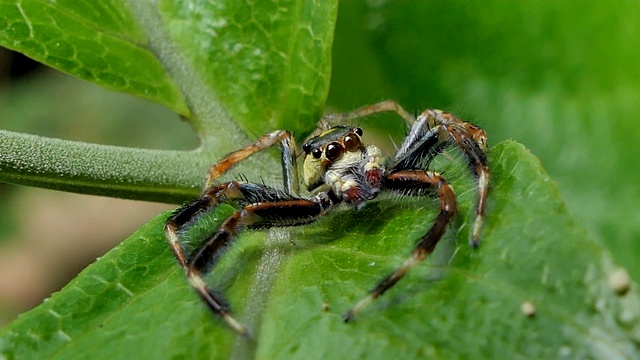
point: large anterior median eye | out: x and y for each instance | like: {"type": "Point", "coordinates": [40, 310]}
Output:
{"type": "Point", "coordinates": [352, 142]}
{"type": "Point", "coordinates": [333, 151]}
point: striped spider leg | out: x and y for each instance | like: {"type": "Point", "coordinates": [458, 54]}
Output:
{"type": "Point", "coordinates": [259, 206]}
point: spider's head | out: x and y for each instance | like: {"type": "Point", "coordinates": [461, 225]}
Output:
{"type": "Point", "coordinates": [330, 148]}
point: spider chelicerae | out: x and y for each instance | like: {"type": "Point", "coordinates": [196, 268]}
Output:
{"type": "Point", "coordinates": [338, 168]}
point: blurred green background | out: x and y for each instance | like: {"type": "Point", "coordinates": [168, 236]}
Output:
{"type": "Point", "coordinates": [47, 237]}
{"type": "Point", "coordinates": [561, 77]}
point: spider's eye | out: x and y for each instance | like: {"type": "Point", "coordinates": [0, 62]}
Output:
{"type": "Point", "coordinates": [316, 153]}
{"type": "Point", "coordinates": [351, 143]}
{"type": "Point", "coordinates": [333, 151]}
{"type": "Point", "coordinates": [306, 147]}
{"type": "Point", "coordinates": [358, 131]}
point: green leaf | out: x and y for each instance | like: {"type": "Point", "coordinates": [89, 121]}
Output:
{"type": "Point", "coordinates": [461, 303]}
{"type": "Point", "coordinates": [268, 63]}
{"type": "Point", "coordinates": [101, 42]}
{"type": "Point", "coordinates": [281, 49]}
{"type": "Point", "coordinates": [537, 72]}
{"type": "Point", "coordinates": [222, 64]}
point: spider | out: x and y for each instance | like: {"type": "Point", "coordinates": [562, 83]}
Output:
{"type": "Point", "coordinates": [338, 168]}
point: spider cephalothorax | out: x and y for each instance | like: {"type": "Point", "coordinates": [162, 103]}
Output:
{"type": "Point", "coordinates": [337, 162]}
{"type": "Point", "coordinates": [338, 167]}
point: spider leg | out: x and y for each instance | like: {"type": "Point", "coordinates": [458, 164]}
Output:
{"type": "Point", "coordinates": [276, 209]}
{"type": "Point", "coordinates": [430, 134]}
{"type": "Point", "coordinates": [185, 215]}
{"type": "Point", "coordinates": [182, 218]}
{"type": "Point", "coordinates": [327, 121]}
{"type": "Point", "coordinates": [435, 130]}
{"type": "Point", "coordinates": [418, 182]}
{"type": "Point", "coordinates": [288, 159]}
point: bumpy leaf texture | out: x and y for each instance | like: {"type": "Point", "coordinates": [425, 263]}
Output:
{"type": "Point", "coordinates": [267, 62]}
{"type": "Point", "coordinates": [292, 288]}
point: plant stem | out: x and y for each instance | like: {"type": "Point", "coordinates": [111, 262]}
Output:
{"type": "Point", "coordinates": [132, 173]}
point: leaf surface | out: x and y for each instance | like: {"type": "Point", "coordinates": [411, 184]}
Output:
{"type": "Point", "coordinates": [267, 64]}
{"type": "Point", "coordinates": [268, 61]}
{"type": "Point", "coordinates": [460, 303]}
{"type": "Point", "coordinates": [101, 42]}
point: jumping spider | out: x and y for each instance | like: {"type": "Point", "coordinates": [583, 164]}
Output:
{"type": "Point", "coordinates": [338, 168]}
